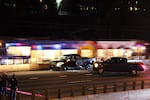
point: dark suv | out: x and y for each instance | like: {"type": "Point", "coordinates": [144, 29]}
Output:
{"type": "Point", "coordinates": [119, 64]}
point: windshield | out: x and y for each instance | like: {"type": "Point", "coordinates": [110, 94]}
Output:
{"type": "Point", "coordinates": [64, 57]}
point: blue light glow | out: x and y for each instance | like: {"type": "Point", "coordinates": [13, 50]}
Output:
{"type": "Point", "coordinates": [12, 44]}
{"type": "Point", "coordinates": [39, 47]}
{"type": "Point", "coordinates": [57, 46]}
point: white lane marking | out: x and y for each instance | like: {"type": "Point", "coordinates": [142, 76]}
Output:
{"type": "Point", "coordinates": [88, 74]}
{"type": "Point", "coordinates": [63, 76]}
{"type": "Point", "coordinates": [79, 81]}
{"type": "Point", "coordinates": [33, 78]}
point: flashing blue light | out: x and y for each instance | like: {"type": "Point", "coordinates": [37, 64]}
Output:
{"type": "Point", "coordinates": [7, 44]}
{"type": "Point", "coordinates": [39, 47]}
{"type": "Point", "coordinates": [12, 44]}
{"type": "Point", "coordinates": [57, 46]}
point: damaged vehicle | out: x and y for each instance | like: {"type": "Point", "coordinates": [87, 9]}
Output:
{"type": "Point", "coordinates": [72, 62]}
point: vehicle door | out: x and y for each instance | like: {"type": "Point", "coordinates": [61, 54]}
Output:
{"type": "Point", "coordinates": [117, 66]}
{"type": "Point", "coordinates": [79, 61]}
{"type": "Point", "coordinates": [108, 65]}
{"type": "Point", "coordinates": [121, 65]}
{"type": "Point", "coordinates": [112, 65]}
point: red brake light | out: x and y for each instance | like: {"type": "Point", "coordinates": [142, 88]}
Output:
{"type": "Point", "coordinates": [143, 66]}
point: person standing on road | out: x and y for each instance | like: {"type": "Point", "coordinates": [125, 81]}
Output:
{"type": "Point", "coordinates": [1, 85]}
{"type": "Point", "coordinates": [4, 83]}
{"type": "Point", "coordinates": [13, 87]}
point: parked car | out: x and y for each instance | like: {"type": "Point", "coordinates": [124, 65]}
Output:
{"type": "Point", "coordinates": [118, 64]}
{"type": "Point", "coordinates": [71, 62]}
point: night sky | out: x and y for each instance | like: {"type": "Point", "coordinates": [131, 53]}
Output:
{"type": "Point", "coordinates": [75, 19]}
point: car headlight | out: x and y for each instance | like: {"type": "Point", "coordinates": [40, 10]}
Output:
{"type": "Point", "coordinates": [96, 65]}
{"type": "Point", "coordinates": [67, 60]}
{"type": "Point", "coordinates": [59, 64]}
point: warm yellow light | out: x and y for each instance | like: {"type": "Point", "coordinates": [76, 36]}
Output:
{"type": "Point", "coordinates": [87, 8]}
{"type": "Point", "coordinates": [131, 8]}
{"type": "Point", "coordinates": [0, 44]}
{"type": "Point", "coordinates": [136, 2]}
{"type": "Point", "coordinates": [93, 8]}
{"type": "Point", "coordinates": [135, 8]}
{"type": "Point", "coordinates": [41, 0]}
{"type": "Point", "coordinates": [86, 53]}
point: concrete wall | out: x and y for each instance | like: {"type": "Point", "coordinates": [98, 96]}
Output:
{"type": "Point", "coordinates": [19, 67]}
{"type": "Point", "coordinates": [143, 94]}
{"type": "Point", "coordinates": [23, 67]}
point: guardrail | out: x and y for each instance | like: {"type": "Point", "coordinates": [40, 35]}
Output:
{"type": "Point", "coordinates": [81, 90]}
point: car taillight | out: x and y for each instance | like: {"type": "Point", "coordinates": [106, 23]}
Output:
{"type": "Point", "coordinates": [143, 66]}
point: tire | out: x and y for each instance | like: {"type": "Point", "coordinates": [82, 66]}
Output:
{"type": "Point", "coordinates": [133, 72]}
{"type": "Point", "coordinates": [54, 69]}
{"type": "Point", "coordinates": [101, 71]}
{"type": "Point", "coordinates": [65, 68]}
{"type": "Point", "coordinates": [88, 67]}
{"type": "Point", "coordinates": [62, 69]}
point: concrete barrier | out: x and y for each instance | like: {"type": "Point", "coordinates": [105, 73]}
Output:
{"type": "Point", "coordinates": [142, 94]}
{"type": "Point", "coordinates": [23, 67]}
{"type": "Point", "coordinates": [44, 66]}
{"type": "Point", "coordinates": [19, 67]}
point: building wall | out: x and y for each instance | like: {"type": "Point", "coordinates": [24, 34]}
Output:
{"type": "Point", "coordinates": [44, 53]}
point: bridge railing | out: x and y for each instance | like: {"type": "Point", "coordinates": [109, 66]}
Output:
{"type": "Point", "coordinates": [74, 90]}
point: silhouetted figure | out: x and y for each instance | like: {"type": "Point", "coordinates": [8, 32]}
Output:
{"type": "Point", "coordinates": [4, 83]}
{"type": "Point", "coordinates": [0, 85]}
{"type": "Point", "coordinates": [13, 87]}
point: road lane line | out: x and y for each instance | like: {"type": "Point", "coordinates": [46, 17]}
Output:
{"type": "Point", "coordinates": [63, 76]}
{"type": "Point", "coordinates": [88, 74]}
{"type": "Point", "coordinates": [33, 78]}
{"type": "Point", "coordinates": [79, 81]}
